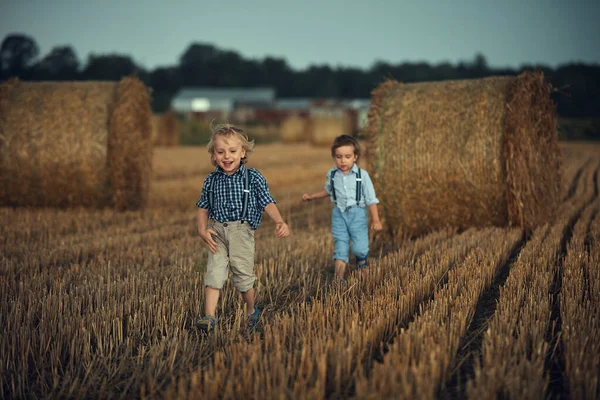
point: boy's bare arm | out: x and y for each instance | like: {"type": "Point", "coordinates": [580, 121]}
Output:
{"type": "Point", "coordinates": [202, 219]}
{"type": "Point", "coordinates": [206, 234]}
{"type": "Point", "coordinates": [375, 222]}
{"type": "Point", "coordinates": [281, 227]}
{"type": "Point", "coordinates": [315, 196]}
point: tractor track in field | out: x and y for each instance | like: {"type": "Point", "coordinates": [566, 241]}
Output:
{"type": "Point", "coordinates": [472, 341]}
{"type": "Point", "coordinates": [555, 361]}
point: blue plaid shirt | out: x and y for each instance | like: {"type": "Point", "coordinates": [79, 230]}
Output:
{"type": "Point", "coordinates": [229, 195]}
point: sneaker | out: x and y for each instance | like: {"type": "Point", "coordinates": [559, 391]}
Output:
{"type": "Point", "coordinates": [361, 264]}
{"type": "Point", "coordinates": [253, 318]}
{"type": "Point", "coordinates": [207, 323]}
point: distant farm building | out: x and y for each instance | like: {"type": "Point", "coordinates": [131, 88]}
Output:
{"type": "Point", "coordinates": [284, 108]}
{"type": "Point", "coordinates": [234, 104]}
{"type": "Point", "coordinates": [260, 105]}
{"type": "Point", "coordinates": [352, 111]}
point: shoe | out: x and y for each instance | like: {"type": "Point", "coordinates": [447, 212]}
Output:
{"type": "Point", "coordinates": [361, 264]}
{"type": "Point", "coordinates": [207, 323]}
{"type": "Point", "coordinates": [253, 318]}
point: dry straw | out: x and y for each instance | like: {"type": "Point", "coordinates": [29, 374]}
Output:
{"type": "Point", "coordinates": [464, 153]}
{"type": "Point", "coordinates": [295, 129]}
{"type": "Point", "coordinates": [164, 130]}
{"type": "Point", "coordinates": [75, 144]}
{"type": "Point", "coordinates": [323, 129]}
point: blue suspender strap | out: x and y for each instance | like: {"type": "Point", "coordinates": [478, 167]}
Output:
{"type": "Point", "coordinates": [211, 192]}
{"type": "Point", "coordinates": [358, 187]}
{"type": "Point", "coordinates": [246, 195]}
{"type": "Point", "coordinates": [332, 185]}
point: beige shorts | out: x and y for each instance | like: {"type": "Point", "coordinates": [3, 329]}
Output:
{"type": "Point", "coordinates": [235, 252]}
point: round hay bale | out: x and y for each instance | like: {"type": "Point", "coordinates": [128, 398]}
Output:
{"type": "Point", "coordinates": [294, 129]}
{"type": "Point", "coordinates": [324, 129]}
{"type": "Point", "coordinates": [464, 153]}
{"type": "Point", "coordinates": [164, 130]}
{"type": "Point", "coordinates": [75, 144]}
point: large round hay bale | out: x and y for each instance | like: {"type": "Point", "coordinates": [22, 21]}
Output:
{"type": "Point", "coordinates": [156, 122]}
{"type": "Point", "coordinates": [294, 129]}
{"type": "Point", "coordinates": [75, 144]}
{"type": "Point", "coordinates": [164, 130]}
{"type": "Point", "coordinates": [326, 128]}
{"type": "Point", "coordinates": [464, 153]}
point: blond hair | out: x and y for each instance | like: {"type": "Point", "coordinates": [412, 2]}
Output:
{"type": "Point", "coordinates": [227, 130]}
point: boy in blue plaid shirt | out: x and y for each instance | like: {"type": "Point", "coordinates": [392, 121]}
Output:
{"type": "Point", "coordinates": [229, 211]}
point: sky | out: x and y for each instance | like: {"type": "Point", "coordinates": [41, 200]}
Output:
{"type": "Point", "coordinates": [352, 33]}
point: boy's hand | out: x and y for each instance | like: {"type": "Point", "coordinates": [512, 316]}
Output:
{"type": "Point", "coordinates": [207, 237]}
{"type": "Point", "coordinates": [376, 226]}
{"type": "Point", "coordinates": [306, 197]}
{"type": "Point", "coordinates": [282, 229]}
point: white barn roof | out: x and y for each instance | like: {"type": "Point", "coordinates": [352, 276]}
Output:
{"type": "Point", "coordinates": [211, 98]}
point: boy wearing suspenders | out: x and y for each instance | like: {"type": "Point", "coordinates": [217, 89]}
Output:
{"type": "Point", "coordinates": [229, 211]}
{"type": "Point", "coordinates": [352, 193]}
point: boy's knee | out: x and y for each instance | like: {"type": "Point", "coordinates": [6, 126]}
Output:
{"type": "Point", "coordinates": [360, 252]}
{"type": "Point", "coordinates": [341, 250]}
{"type": "Point", "coordinates": [341, 245]}
{"type": "Point", "coordinates": [244, 284]}
{"type": "Point", "coordinates": [215, 277]}
{"type": "Point", "coordinates": [214, 281]}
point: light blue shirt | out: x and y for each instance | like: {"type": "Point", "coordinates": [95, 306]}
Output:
{"type": "Point", "coordinates": [345, 188]}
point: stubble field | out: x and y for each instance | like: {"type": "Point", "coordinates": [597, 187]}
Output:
{"type": "Point", "coordinates": [95, 303]}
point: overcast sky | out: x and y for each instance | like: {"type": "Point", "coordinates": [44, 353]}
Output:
{"type": "Point", "coordinates": [348, 33]}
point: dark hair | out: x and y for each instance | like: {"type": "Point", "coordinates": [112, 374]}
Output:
{"type": "Point", "coordinates": [345, 140]}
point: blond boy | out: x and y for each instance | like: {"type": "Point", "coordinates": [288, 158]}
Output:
{"type": "Point", "coordinates": [229, 211]}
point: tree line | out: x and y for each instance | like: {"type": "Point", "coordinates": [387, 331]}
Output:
{"type": "Point", "coordinates": [576, 85]}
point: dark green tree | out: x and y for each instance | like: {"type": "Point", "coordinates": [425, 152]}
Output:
{"type": "Point", "coordinates": [61, 64]}
{"type": "Point", "coordinates": [17, 54]}
{"type": "Point", "coordinates": [279, 75]}
{"type": "Point", "coordinates": [110, 67]}
{"type": "Point", "coordinates": [199, 65]}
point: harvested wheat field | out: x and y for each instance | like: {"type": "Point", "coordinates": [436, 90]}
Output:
{"type": "Point", "coordinates": [102, 304]}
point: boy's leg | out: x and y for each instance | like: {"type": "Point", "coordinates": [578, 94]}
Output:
{"type": "Point", "coordinates": [217, 272]}
{"type": "Point", "coordinates": [359, 234]}
{"type": "Point", "coordinates": [341, 240]}
{"type": "Point", "coordinates": [211, 299]}
{"type": "Point", "coordinates": [252, 312]}
{"type": "Point", "coordinates": [340, 269]}
{"type": "Point", "coordinates": [241, 258]}
{"type": "Point", "coordinates": [248, 298]}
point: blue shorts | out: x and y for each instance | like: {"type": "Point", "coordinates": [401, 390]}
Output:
{"type": "Point", "coordinates": [350, 225]}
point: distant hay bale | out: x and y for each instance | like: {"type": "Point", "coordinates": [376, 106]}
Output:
{"type": "Point", "coordinates": [75, 144]}
{"type": "Point", "coordinates": [263, 132]}
{"type": "Point", "coordinates": [294, 129]}
{"type": "Point", "coordinates": [156, 122]}
{"type": "Point", "coordinates": [164, 130]}
{"type": "Point", "coordinates": [324, 129]}
{"type": "Point", "coordinates": [464, 153]}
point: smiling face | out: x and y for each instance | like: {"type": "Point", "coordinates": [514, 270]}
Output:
{"type": "Point", "coordinates": [228, 153]}
{"type": "Point", "coordinates": [344, 158]}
